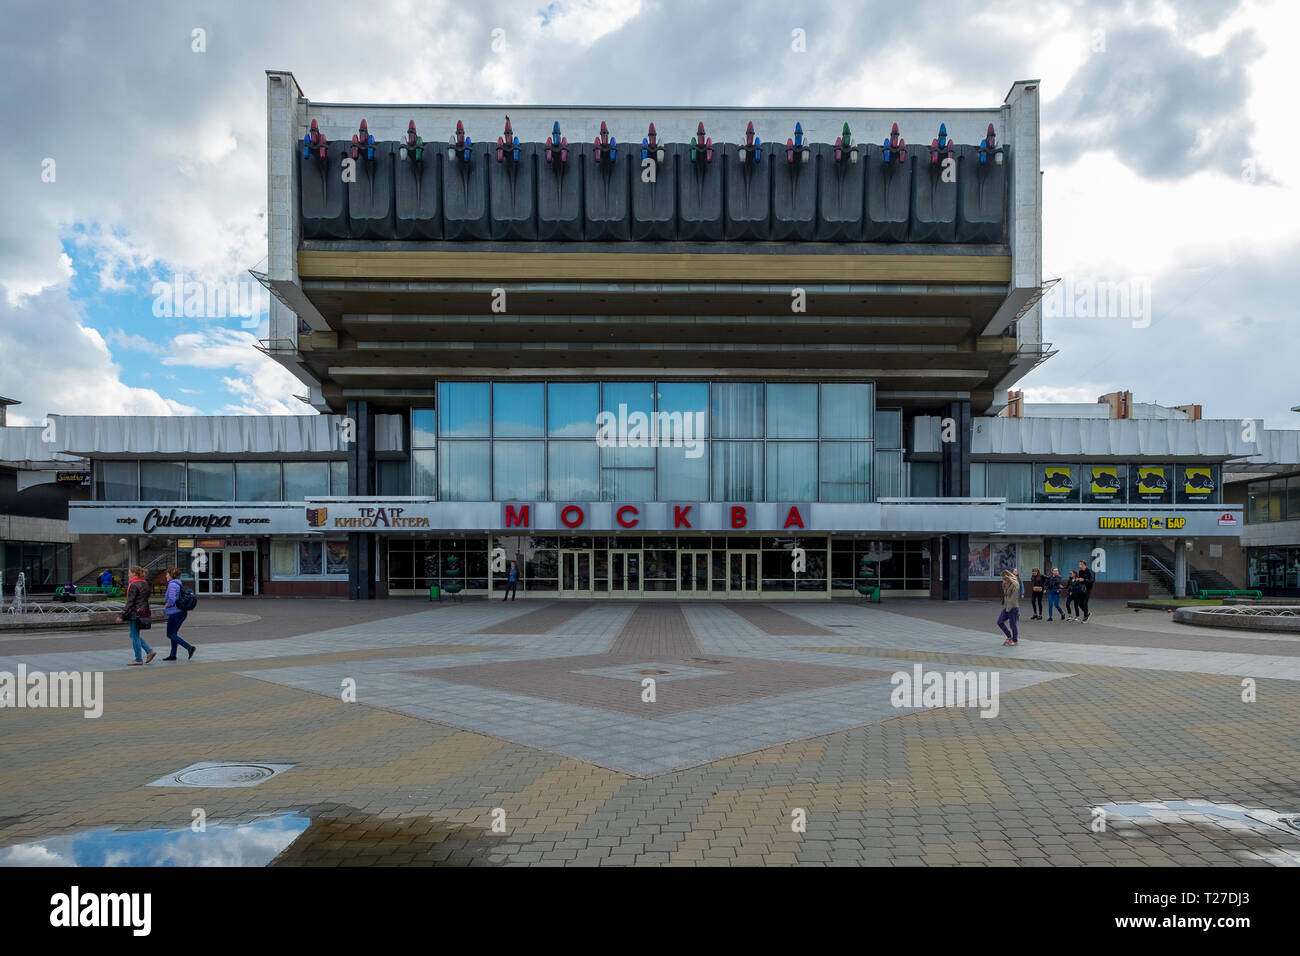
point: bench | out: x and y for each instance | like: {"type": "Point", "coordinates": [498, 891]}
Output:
{"type": "Point", "coordinates": [111, 592]}
{"type": "Point", "coordinates": [868, 594]}
{"type": "Point", "coordinates": [1230, 593]}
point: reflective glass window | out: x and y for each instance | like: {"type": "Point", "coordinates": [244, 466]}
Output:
{"type": "Point", "coordinates": [463, 409]}
{"type": "Point", "coordinates": [517, 409]}
{"type": "Point", "coordinates": [846, 410]}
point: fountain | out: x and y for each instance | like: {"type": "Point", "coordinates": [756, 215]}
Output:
{"type": "Point", "coordinates": [23, 614]}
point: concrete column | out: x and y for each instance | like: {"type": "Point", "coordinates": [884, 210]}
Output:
{"type": "Point", "coordinates": [1180, 568]}
{"type": "Point", "coordinates": [954, 482]}
{"type": "Point", "coordinates": [956, 585]}
{"type": "Point", "coordinates": [954, 460]}
{"type": "Point", "coordinates": [361, 474]}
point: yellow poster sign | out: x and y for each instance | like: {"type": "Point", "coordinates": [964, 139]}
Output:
{"type": "Point", "coordinates": [1057, 480]}
{"type": "Point", "coordinates": [1197, 482]}
{"type": "Point", "coordinates": [1152, 482]}
{"type": "Point", "coordinates": [1105, 481]}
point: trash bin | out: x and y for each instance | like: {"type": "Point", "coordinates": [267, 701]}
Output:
{"type": "Point", "coordinates": [434, 592]}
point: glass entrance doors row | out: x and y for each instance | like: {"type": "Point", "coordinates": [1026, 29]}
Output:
{"type": "Point", "coordinates": [228, 571]}
{"type": "Point", "coordinates": [580, 570]}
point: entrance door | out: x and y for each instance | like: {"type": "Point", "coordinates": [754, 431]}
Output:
{"type": "Point", "coordinates": [742, 573]}
{"type": "Point", "coordinates": [212, 579]}
{"type": "Point", "coordinates": [575, 574]}
{"type": "Point", "coordinates": [693, 571]}
{"type": "Point", "coordinates": [625, 573]}
{"type": "Point", "coordinates": [235, 572]}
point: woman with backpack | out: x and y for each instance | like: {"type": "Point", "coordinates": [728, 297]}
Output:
{"type": "Point", "coordinates": [176, 614]}
{"type": "Point", "coordinates": [136, 613]}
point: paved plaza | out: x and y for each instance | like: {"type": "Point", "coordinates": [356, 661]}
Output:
{"type": "Point", "coordinates": [661, 732]}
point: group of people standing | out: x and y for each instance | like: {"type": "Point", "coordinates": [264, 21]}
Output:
{"type": "Point", "coordinates": [1077, 590]}
{"type": "Point", "coordinates": [137, 613]}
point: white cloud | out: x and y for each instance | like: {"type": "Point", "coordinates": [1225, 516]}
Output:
{"type": "Point", "coordinates": [162, 164]}
{"type": "Point", "coordinates": [53, 363]}
{"type": "Point", "coordinates": [260, 386]}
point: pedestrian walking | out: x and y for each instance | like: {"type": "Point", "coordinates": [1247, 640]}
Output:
{"type": "Point", "coordinates": [106, 579]}
{"type": "Point", "coordinates": [1053, 586]}
{"type": "Point", "coordinates": [1079, 591]}
{"type": "Point", "coordinates": [1036, 584]}
{"type": "Point", "coordinates": [175, 615]}
{"type": "Point", "coordinates": [136, 613]}
{"type": "Point", "coordinates": [512, 583]}
{"type": "Point", "coordinates": [1088, 579]}
{"type": "Point", "coordinates": [1010, 607]}
{"type": "Point", "coordinates": [1069, 595]}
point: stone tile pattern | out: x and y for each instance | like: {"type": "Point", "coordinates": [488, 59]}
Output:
{"type": "Point", "coordinates": [1134, 722]}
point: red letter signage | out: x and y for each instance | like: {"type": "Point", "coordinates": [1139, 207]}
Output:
{"type": "Point", "coordinates": [793, 520]}
{"type": "Point", "coordinates": [680, 516]}
{"type": "Point", "coordinates": [622, 511]}
{"type": "Point", "coordinates": [572, 516]}
{"type": "Point", "coordinates": [519, 520]}
{"type": "Point", "coordinates": [738, 517]}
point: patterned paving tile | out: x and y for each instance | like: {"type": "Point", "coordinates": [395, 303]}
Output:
{"type": "Point", "coordinates": [445, 760]}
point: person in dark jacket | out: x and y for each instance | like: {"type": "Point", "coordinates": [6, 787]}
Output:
{"type": "Point", "coordinates": [175, 616]}
{"type": "Point", "coordinates": [1053, 585]}
{"type": "Point", "coordinates": [137, 607]}
{"type": "Point", "coordinates": [1079, 594]}
{"type": "Point", "coordinates": [1036, 584]}
{"type": "Point", "coordinates": [1086, 576]}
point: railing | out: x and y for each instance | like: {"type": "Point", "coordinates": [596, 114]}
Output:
{"type": "Point", "coordinates": [1152, 563]}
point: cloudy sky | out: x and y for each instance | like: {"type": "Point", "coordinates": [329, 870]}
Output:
{"type": "Point", "coordinates": [1169, 141]}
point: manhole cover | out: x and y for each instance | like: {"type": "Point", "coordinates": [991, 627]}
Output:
{"type": "Point", "coordinates": [650, 671]}
{"type": "Point", "coordinates": [222, 774]}
{"type": "Point", "coordinates": [705, 660]}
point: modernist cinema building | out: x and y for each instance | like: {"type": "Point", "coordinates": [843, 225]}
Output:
{"type": "Point", "coordinates": [658, 353]}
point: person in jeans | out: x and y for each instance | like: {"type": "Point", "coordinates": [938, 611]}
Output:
{"type": "Point", "coordinates": [1053, 585]}
{"type": "Point", "coordinates": [512, 583]}
{"type": "Point", "coordinates": [136, 607]}
{"type": "Point", "coordinates": [1088, 578]}
{"type": "Point", "coordinates": [1036, 583]}
{"type": "Point", "coordinates": [175, 616]}
{"type": "Point", "coordinates": [1010, 607]}
{"type": "Point", "coordinates": [1080, 593]}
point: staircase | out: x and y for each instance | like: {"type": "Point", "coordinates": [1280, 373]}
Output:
{"type": "Point", "coordinates": [1157, 584]}
{"type": "Point", "coordinates": [155, 560]}
{"type": "Point", "coordinates": [1203, 579]}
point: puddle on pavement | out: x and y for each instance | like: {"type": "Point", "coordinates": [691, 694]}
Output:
{"type": "Point", "coordinates": [333, 837]}
{"type": "Point", "coordinates": [1246, 834]}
